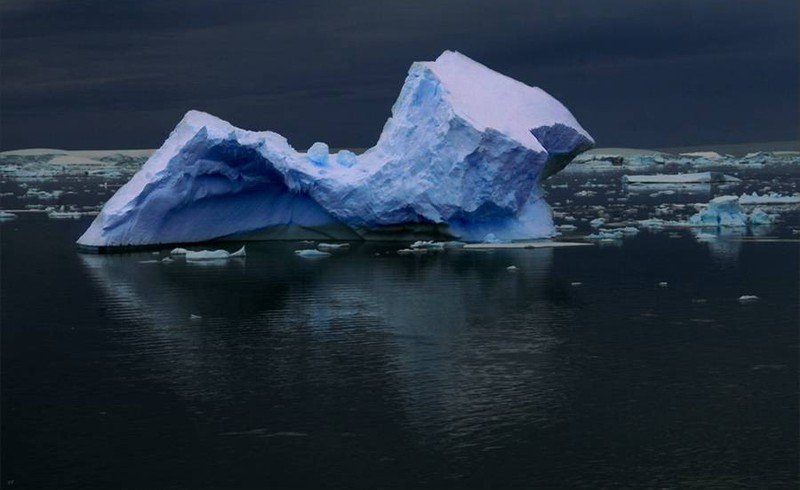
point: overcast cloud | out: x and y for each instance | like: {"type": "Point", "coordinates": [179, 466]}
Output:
{"type": "Point", "coordinates": [120, 74]}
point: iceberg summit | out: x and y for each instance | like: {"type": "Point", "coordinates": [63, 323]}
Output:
{"type": "Point", "coordinates": [462, 156]}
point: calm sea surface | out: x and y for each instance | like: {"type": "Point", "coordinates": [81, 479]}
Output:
{"type": "Point", "coordinates": [365, 370]}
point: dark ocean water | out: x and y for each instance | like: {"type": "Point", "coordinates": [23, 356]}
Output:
{"type": "Point", "coordinates": [395, 371]}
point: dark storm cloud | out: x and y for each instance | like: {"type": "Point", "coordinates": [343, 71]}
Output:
{"type": "Point", "coordinates": [101, 74]}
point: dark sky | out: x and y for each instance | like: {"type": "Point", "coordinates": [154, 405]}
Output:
{"type": "Point", "coordinates": [80, 74]}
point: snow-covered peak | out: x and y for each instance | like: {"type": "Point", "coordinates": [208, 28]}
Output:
{"type": "Point", "coordinates": [488, 99]}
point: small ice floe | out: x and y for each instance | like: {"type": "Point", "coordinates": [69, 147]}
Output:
{"type": "Point", "coordinates": [566, 227]}
{"type": "Point", "coordinates": [663, 284]}
{"type": "Point", "coordinates": [512, 268]}
{"type": "Point", "coordinates": [178, 251]}
{"type": "Point", "coordinates": [6, 216]}
{"type": "Point", "coordinates": [427, 245]}
{"type": "Point", "coordinates": [61, 213]}
{"type": "Point", "coordinates": [332, 247]}
{"type": "Point", "coordinates": [748, 298]}
{"type": "Point", "coordinates": [576, 283]}
{"type": "Point", "coordinates": [771, 198]}
{"type": "Point", "coordinates": [195, 317]}
{"type": "Point", "coordinates": [606, 234]}
{"type": "Point", "coordinates": [597, 222]}
{"type": "Point", "coordinates": [695, 178]}
{"type": "Point", "coordinates": [652, 223]}
{"type": "Point", "coordinates": [311, 253]}
{"type": "Point", "coordinates": [760, 217]}
{"type": "Point", "coordinates": [191, 255]}
{"type": "Point", "coordinates": [167, 260]}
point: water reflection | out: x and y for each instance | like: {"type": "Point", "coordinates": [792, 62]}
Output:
{"type": "Point", "coordinates": [456, 341]}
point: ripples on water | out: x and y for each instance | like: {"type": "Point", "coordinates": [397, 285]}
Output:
{"type": "Point", "coordinates": [390, 371]}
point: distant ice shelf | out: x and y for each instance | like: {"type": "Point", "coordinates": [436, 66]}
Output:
{"type": "Point", "coordinates": [693, 178]}
{"type": "Point", "coordinates": [462, 156]}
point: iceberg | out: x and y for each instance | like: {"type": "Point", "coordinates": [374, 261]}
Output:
{"type": "Point", "coordinates": [721, 211]}
{"type": "Point", "coordinates": [726, 211]}
{"type": "Point", "coordinates": [463, 155]}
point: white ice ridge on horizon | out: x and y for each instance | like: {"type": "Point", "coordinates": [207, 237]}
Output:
{"type": "Point", "coordinates": [463, 154]}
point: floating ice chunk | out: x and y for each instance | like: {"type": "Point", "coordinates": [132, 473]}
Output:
{"type": "Point", "coordinates": [332, 247]}
{"type": "Point", "coordinates": [576, 283]}
{"type": "Point", "coordinates": [214, 254]}
{"type": "Point", "coordinates": [721, 211]}
{"type": "Point", "coordinates": [6, 216]}
{"type": "Point", "coordinates": [606, 235]}
{"type": "Point", "coordinates": [748, 298]}
{"type": "Point", "coordinates": [771, 198]}
{"type": "Point", "coordinates": [597, 222]}
{"type": "Point", "coordinates": [195, 317]}
{"type": "Point", "coordinates": [566, 227]}
{"type": "Point", "coordinates": [318, 154]}
{"type": "Point", "coordinates": [311, 254]}
{"type": "Point", "coordinates": [428, 245]}
{"type": "Point", "coordinates": [663, 284]}
{"type": "Point", "coordinates": [178, 251]}
{"type": "Point", "coordinates": [512, 268]}
{"type": "Point", "coordinates": [64, 214]}
{"type": "Point", "coordinates": [346, 158]}
{"type": "Point", "coordinates": [167, 260]}
{"type": "Point", "coordinates": [759, 217]}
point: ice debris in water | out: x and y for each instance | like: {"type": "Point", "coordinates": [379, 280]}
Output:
{"type": "Point", "coordinates": [597, 222]}
{"type": "Point", "coordinates": [725, 211]}
{"type": "Point", "coordinates": [428, 245]}
{"type": "Point", "coordinates": [332, 247]}
{"type": "Point", "coordinates": [435, 164]}
{"type": "Point", "coordinates": [311, 253]}
{"type": "Point", "coordinates": [178, 251]}
{"type": "Point", "coordinates": [760, 217]}
{"type": "Point", "coordinates": [512, 268]}
{"type": "Point", "coordinates": [214, 254]}
{"type": "Point", "coordinates": [6, 216]}
{"type": "Point", "coordinates": [748, 298]}
{"type": "Point", "coordinates": [663, 284]}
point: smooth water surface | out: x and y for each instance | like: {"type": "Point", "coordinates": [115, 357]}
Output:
{"type": "Point", "coordinates": [365, 370]}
